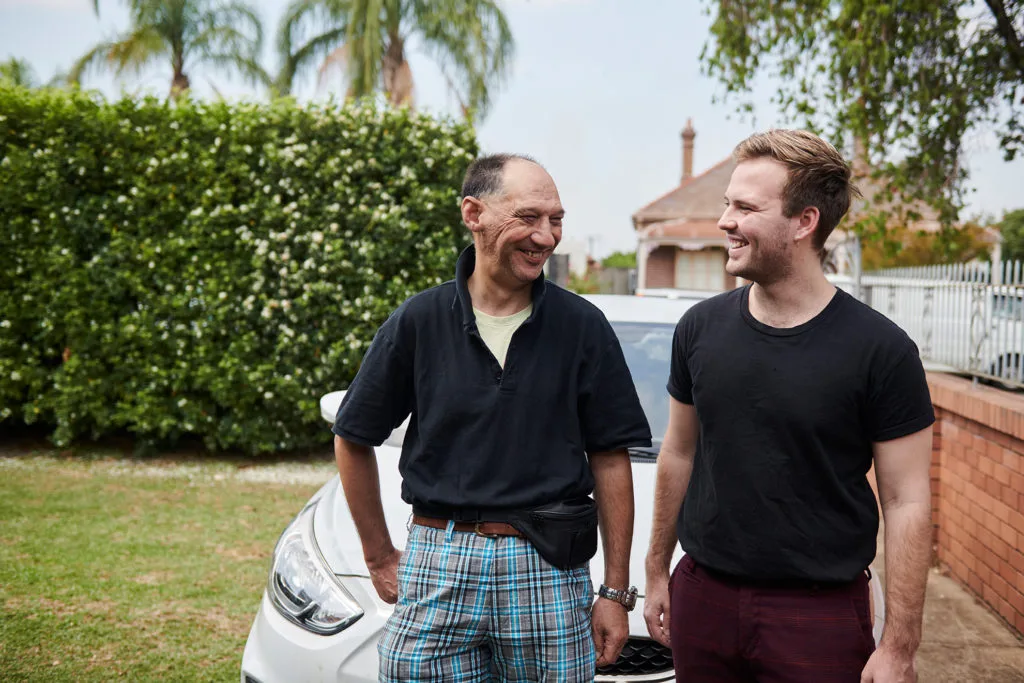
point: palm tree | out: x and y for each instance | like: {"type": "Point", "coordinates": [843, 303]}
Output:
{"type": "Point", "coordinates": [225, 34]}
{"type": "Point", "coordinates": [17, 72]}
{"type": "Point", "coordinates": [469, 39]}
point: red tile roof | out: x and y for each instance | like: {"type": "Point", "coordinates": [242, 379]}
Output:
{"type": "Point", "coordinates": [696, 198]}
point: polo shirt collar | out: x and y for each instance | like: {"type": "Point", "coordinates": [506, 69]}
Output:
{"type": "Point", "coordinates": [464, 267]}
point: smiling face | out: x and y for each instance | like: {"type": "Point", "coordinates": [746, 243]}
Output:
{"type": "Point", "coordinates": [516, 229]}
{"type": "Point", "coordinates": [762, 240]}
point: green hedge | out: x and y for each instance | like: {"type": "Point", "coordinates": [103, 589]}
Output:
{"type": "Point", "coordinates": [209, 269]}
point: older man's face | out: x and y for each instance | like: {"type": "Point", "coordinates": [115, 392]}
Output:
{"type": "Point", "coordinates": [522, 226]}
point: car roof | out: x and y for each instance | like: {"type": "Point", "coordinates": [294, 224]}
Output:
{"type": "Point", "coordinates": [641, 309]}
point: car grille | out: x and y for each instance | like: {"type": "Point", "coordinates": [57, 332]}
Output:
{"type": "Point", "coordinates": [640, 657]}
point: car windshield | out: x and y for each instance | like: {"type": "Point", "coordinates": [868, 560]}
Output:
{"type": "Point", "coordinates": [648, 350]}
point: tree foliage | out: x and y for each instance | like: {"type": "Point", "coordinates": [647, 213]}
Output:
{"type": "Point", "coordinates": [902, 82]}
{"type": "Point", "coordinates": [370, 41]}
{"type": "Point", "coordinates": [209, 270]}
{"type": "Point", "coordinates": [18, 72]}
{"type": "Point", "coordinates": [1012, 230]}
{"type": "Point", "coordinates": [907, 247]}
{"type": "Point", "coordinates": [224, 34]}
{"type": "Point", "coordinates": [620, 259]}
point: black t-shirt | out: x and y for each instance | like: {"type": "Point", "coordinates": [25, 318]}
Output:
{"type": "Point", "coordinates": [787, 422]}
{"type": "Point", "coordinates": [485, 438]}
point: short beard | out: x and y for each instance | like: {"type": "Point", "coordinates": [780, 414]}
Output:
{"type": "Point", "coordinates": [770, 267]}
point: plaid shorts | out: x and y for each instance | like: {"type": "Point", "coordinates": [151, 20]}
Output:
{"type": "Point", "coordinates": [472, 608]}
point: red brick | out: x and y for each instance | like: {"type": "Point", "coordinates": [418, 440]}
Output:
{"type": "Point", "coordinates": [1002, 474]}
{"type": "Point", "coordinates": [993, 449]}
{"type": "Point", "coordinates": [1004, 609]}
{"type": "Point", "coordinates": [1018, 622]}
{"type": "Point", "coordinates": [1017, 562]}
{"type": "Point", "coordinates": [1008, 496]}
{"type": "Point", "coordinates": [977, 478]}
{"type": "Point", "coordinates": [1011, 460]}
{"type": "Point", "coordinates": [1002, 513]}
{"type": "Point", "coordinates": [1017, 481]}
{"type": "Point", "coordinates": [971, 527]}
{"type": "Point", "coordinates": [1016, 599]}
{"type": "Point", "coordinates": [986, 466]}
{"type": "Point", "coordinates": [1000, 586]}
{"type": "Point", "coordinates": [1001, 549]}
{"type": "Point", "coordinates": [992, 487]}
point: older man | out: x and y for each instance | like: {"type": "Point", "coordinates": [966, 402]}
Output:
{"type": "Point", "coordinates": [521, 407]}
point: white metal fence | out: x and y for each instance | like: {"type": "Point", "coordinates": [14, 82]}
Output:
{"type": "Point", "coordinates": [964, 317]}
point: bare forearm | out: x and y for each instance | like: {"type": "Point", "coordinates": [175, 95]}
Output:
{"type": "Point", "coordinates": [357, 467]}
{"type": "Point", "coordinates": [613, 491]}
{"type": "Point", "coordinates": [673, 478]}
{"type": "Point", "coordinates": [907, 558]}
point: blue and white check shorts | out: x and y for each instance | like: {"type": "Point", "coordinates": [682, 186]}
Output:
{"type": "Point", "coordinates": [472, 608]}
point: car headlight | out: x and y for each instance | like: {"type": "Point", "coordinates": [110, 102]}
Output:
{"type": "Point", "coordinates": [302, 587]}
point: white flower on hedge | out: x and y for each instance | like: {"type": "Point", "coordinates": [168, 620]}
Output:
{"type": "Point", "coordinates": [283, 272]}
{"type": "Point", "coordinates": [266, 312]}
{"type": "Point", "coordinates": [182, 402]}
{"type": "Point", "coordinates": [317, 237]}
{"type": "Point", "coordinates": [5, 323]}
{"type": "Point", "coordinates": [222, 296]}
{"type": "Point", "coordinates": [15, 376]}
{"type": "Point", "coordinates": [198, 211]}
{"type": "Point", "coordinates": [121, 199]}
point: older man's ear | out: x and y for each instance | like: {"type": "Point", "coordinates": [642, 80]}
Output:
{"type": "Point", "coordinates": [472, 209]}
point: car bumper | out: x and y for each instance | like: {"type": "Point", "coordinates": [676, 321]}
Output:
{"type": "Point", "coordinates": [278, 651]}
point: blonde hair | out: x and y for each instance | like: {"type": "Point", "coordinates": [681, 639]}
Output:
{"type": "Point", "coordinates": [818, 175]}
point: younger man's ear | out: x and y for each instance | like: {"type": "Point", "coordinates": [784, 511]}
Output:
{"type": "Point", "coordinates": [808, 223]}
{"type": "Point", "coordinates": [472, 208]}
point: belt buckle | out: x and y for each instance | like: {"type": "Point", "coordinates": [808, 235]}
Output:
{"type": "Point", "coordinates": [478, 532]}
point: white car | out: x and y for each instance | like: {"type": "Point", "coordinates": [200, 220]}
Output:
{"type": "Point", "coordinates": [320, 618]}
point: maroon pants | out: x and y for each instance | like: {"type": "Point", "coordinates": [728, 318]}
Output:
{"type": "Point", "coordinates": [724, 631]}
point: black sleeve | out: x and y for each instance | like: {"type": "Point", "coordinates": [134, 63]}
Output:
{"type": "Point", "coordinates": [611, 416]}
{"type": "Point", "coordinates": [680, 383]}
{"type": "Point", "coordinates": [380, 397]}
{"type": "Point", "coordinates": [899, 403]}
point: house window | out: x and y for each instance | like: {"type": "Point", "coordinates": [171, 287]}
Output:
{"type": "Point", "coordinates": [704, 270]}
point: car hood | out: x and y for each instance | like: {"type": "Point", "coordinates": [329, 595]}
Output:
{"type": "Point", "coordinates": [339, 542]}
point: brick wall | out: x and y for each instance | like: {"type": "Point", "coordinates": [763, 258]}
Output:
{"type": "Point", "coordinates": [661, 267]}
{"type": "Point", "coordinates": [978, 491]}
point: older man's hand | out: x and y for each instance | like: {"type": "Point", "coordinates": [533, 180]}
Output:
{"type": "Point", "coordinates": [384, 575]}
{"type": "Point", "coordinates": [610, 624]}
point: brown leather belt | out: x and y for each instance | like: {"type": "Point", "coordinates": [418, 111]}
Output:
{"type": "Point", "coordinates": [488, 529]}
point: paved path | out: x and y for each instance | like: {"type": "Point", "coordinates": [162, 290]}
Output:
{"type": "Point", "coordinates": [963, 642]}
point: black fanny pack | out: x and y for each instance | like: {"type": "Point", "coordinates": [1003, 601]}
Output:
{"type": "Point", "coordinates": [564, 533]}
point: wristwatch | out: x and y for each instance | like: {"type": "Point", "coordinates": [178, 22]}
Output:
{"type": "Point", "coordinates": [626, 598]}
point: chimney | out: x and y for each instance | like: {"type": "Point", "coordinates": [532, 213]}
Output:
{"type": "Point", "coordinates": [688, 134]}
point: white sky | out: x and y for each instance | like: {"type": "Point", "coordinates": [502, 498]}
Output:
{"type": "Point", "coordinates": [598, 93]}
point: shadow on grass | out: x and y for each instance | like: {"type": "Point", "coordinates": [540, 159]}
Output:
{"type": "Point", "coordinates": [26, 440]}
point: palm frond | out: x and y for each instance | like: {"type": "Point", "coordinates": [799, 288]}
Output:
{"type": "Point", "coordinates": [472, 43]}
{"type": "Point", "coordinates": [87, 62]}
{"type": "Point", "coordinates": [136, 50]}
{"type": "Point", "coordinates": [16, 71]}
{"type": "Point", "coordinates": [249, 68]}
{"type": "Point", "coordinates": [366, 42]}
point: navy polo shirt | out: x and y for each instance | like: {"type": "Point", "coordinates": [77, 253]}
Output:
{"type": "Point", "coordinates": [483, 438]}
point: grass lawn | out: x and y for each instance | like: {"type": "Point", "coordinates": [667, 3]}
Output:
{"type": "Point", "coordinates": [140, 570]}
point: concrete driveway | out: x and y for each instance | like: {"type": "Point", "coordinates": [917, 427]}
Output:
{"type": "Point", "coordinates": [963, 642]}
